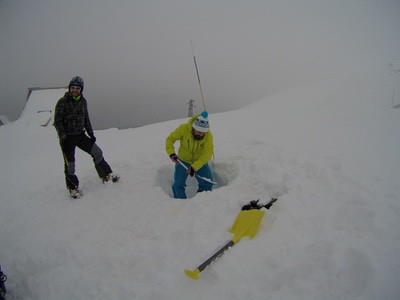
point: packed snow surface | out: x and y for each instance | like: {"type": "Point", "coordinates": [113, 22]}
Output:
{"type": "Point", "coordinates": [329, 151]}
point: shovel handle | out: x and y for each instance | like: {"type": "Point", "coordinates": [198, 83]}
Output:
{"type": "Point", "coordinates": [216, 255]}
{"type": "Point", "coordinates": [182, 164]}
{"type": "Point", "coordinates": [195, 274]}
{"type": "Point", "coordinates": [269, 204]}
{"type": "Point", "coordinates": [201, 177]}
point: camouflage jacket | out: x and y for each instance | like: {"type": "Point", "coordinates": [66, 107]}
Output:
{"type": "Point", "coordinates": [71, 116]}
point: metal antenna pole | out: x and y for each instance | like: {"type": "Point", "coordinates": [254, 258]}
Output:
{"type": "Point", "coordinates": [191, 106]}
{"type": "Point", "coordinates": [198, 77]}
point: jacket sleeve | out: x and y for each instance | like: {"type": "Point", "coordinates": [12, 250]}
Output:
{"type": "Point", "coordinates": [58, 118]}
{"type": "Point", "coordinates": [172, 138]}
{"type": "Point", "coordinates": [88, 125]}
{"type": "Point", "coordinates": [206, 154]}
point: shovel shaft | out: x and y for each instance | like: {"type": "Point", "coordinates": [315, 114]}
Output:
{"type": "Point", "coordinates": [182, 164]}
{"type": "Point", "coordinates": [195, 274]}
{"type": "Point", "coordinates": [216, 255]}
{"type": "Point", "coordinates": [201, 177]}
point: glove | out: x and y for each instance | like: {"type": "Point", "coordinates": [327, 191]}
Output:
{"type": "Point", "coordinates": [92, 137]}
{"type": "Point", "coordinates": [191, 171]}
{"type": "Point", "coordinates": [174, 158]}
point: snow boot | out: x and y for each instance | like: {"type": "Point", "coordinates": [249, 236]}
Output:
{"type": "Point", "coordinates": [110, 177]}
{"type": "Point", "coordinates": [75, 193]}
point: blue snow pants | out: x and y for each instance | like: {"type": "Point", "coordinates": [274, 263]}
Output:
{"type": "Point", "coordinates": [180, 176]}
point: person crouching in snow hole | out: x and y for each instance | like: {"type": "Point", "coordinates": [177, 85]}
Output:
{"type": "Point", "coordinates": [195, 150]}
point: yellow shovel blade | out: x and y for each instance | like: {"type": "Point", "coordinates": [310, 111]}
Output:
{"type": "Point", "coordinates": [247, 223]}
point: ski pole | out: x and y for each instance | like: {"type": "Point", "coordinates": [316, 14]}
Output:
{"type": "Point", "coordinates": [198, 176]}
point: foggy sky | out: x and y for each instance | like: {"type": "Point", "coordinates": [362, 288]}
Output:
{"type": "Point", "coordinates": [136, 58]}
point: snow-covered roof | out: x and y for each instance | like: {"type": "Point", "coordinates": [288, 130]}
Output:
{"type": "Point", "coordinates": [39, 107]}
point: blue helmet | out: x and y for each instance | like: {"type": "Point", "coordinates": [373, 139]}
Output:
{"type": "Point", "coordinates": [76, 81]}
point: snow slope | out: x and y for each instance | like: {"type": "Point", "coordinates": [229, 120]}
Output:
{"type": "Point", "coordinates": [329, 151]}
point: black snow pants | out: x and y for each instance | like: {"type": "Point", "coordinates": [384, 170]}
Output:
{"type": "Point", "coordinates": [84, 143]}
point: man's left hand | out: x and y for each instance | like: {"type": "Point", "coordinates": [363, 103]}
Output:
{"type": "Point", "coordinates": [191, 171]}
{"type": "Point", "coordinates": [93, 138]}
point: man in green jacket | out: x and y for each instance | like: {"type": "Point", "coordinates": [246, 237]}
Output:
{"type": "Point", "coordinates": [195, 150]}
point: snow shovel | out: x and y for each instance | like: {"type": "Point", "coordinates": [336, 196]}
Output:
{"type": "Point", "coordinates": [247, 224]}
{"type": "Point", "coordinates": [198, 176]}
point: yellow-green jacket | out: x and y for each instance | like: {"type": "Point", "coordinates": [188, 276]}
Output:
{"type": "Point", "coordinates": [195, 152]}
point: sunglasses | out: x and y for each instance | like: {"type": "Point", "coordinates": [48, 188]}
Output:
{"type": "Point", "coordinates": [74, 87]}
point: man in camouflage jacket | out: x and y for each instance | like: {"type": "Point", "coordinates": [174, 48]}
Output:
{"type": "Point", "coordinates": [71, 120]}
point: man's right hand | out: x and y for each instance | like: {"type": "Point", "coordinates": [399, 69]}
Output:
{"type": "Point", "coordinates": [174, 158]}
